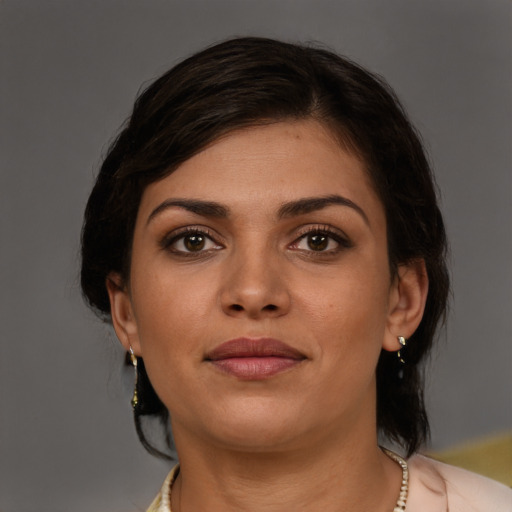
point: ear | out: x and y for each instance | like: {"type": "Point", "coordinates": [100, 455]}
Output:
{"type": "Point", "coordinates": [408, 296]}
{"type": "Point", "coordinates": [121, 311]}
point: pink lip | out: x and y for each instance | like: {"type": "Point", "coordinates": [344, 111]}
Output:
{"type": "Point", "coordinates": [254, 358]}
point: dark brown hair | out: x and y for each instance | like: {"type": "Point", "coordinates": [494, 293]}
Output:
{"type": "Point", "coordinates": [250, 81]}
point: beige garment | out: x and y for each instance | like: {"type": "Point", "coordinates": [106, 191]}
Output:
{"type": "Point", "coordinates": [433, 487]}
{"type": "Point", "coordinates": [438, 487]}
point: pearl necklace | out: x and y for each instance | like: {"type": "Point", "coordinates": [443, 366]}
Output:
{"type": "Point", "coordinates": [404, 488]}
{"type": "Point", "coordinates": [165, 505]}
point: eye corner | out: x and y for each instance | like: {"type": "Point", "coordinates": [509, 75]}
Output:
{"type": "Point", "coordinates": [321, 240]}
{"type": "Point", "coordinates": [190, 241]}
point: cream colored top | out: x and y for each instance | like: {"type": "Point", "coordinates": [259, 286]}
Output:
{"type": "Point", "coordinates": [433, 487]}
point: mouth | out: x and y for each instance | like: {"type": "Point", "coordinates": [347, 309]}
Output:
{"type": "Point", "coordinates": [254, 358]}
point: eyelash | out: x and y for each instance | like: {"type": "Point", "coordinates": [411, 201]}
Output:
{"type": "Point", "coordinates": [327, 231]}
{"type": "Point", "coordinates": [331, 234]}
{"type": "Point", "coordinates": [180, 235]}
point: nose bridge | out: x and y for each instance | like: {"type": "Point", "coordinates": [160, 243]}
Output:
{"type": "Point", "coordinates": [254, 281]}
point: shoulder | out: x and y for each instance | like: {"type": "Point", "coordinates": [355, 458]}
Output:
{"type": "Point", "coordinates": [439, 487]}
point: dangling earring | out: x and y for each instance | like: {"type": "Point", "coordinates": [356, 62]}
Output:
{"type": "Point", "coordinates": [135, 398]}
{"type": "Point", "coordinates": [403, 343]}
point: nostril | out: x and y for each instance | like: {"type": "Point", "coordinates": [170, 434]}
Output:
{"type": "Point", "coordinates": [236, 307]}
{"type": "Point", "coordinates": [270, 307]}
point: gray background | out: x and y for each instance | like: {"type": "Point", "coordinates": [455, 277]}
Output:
{"type": "Point", "coordinates": [70, 71]}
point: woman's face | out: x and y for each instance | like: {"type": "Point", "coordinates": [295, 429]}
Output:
{"type": "Point", "coordinates": [260, 294]}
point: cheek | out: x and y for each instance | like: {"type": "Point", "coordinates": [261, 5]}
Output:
{"type": "Point", "coordinates": [170, 310]}
{"type": "Point", "coordinates": [347, 295]}
{"type": "Point", "coordinates": [171, 317]}
{"type": "Point", "coordinates": [347, 313]}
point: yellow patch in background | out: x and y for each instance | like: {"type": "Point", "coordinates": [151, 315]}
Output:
{"type": "Point", "coordinates": [489, 456]}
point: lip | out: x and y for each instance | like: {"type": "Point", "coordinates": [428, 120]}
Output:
{"type": "Point", "coordinates": [254, 358]}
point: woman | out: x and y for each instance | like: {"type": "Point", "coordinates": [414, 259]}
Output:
{"type": "Point", "coordinates": [265, 238]}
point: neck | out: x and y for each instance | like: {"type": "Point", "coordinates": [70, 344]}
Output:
{"type": "Point", "coordinates": [344, 473]}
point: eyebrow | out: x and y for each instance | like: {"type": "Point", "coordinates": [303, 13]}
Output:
{"type": "Point", "coordinates": [286, 210]}
{"type": "Point", "coordinates": [204, 208]}
{"type": "Point", "coordinates": [311, 204]}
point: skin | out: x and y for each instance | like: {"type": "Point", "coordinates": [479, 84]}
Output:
{"type": "Point", "coordinates": [305, 438]}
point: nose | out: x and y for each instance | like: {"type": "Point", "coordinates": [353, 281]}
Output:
{"type": "Point", "coordinates": [254, 286]}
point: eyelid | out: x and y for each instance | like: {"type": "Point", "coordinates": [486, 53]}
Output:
{"type": "Point", "coordinates": [332, 232]}
{"type": "Point", "coordinates": [176, 234]}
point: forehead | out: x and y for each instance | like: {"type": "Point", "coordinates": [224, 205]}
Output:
{"type": "Point", "coordinates": [265, 165]}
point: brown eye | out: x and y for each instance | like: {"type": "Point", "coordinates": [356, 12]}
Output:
{"type": "Point", "coordinates": [318, 242]}
{"type": "Point", "coordinates": [322, 240]}
{"type": "Point", "coordinates": [190, 242]}
{"type": "Point", "coordinates": [194, 242]}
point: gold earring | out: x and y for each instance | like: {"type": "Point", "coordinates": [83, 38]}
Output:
{"type": "Point", "coordinates": [135, 398]}
{"type": "Point", "coordinates": [403, 343]}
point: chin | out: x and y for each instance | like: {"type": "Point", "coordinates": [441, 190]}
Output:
{"type": "Point", "coordinates": [257, 430]}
